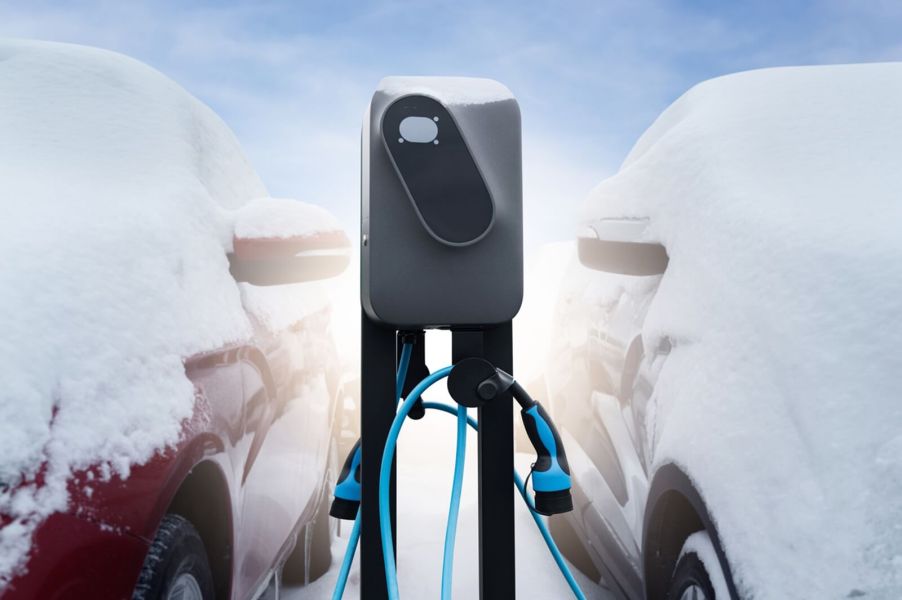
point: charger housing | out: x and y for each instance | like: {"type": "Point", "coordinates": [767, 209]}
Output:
{"type": "Point", "coordinates": [441, 204]}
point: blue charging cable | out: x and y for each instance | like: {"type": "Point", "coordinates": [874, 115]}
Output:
{"type": "Point", "coordinates": [450, 534]}
{"type": "Point", "coordinates": [388, 455]}
{"type": "Point", "coordinates": [454, 509]}
{"type": "Point", "coordinates": [521, 487]}
{"type": "Point", "coordinates": [348, 488]}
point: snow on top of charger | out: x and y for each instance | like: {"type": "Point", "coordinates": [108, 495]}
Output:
{"type": "Point", "coordinates": [448, 90]}
{"type": "Point", "coordinates": [116, 187]}
{"type": "Point", "coordinates": [778, 195]}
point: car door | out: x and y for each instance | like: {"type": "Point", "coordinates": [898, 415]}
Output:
{"type": "Point", "coordinates": [288, 424]}
{"type": "Point", "coordinates": [604, 420]}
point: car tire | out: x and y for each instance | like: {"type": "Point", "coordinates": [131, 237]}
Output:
{"type": "Point", "coordinates": [314, 538]}
{"type": "Point", "coordinates": [176, 566]}
{"type": "Point", "coordinates": [698, 574]}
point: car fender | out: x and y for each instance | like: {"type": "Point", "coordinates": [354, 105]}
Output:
{"type": "Point", "coordinates": [674, 510]}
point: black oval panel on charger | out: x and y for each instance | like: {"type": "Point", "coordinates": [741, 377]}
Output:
{"type": "Point", "coordinates": [445, 185]}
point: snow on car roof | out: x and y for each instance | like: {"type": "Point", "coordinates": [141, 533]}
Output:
{"type": "Point", "coordinates": [115, 230]}
{"type": "Point", "coordinates": [778, 195]}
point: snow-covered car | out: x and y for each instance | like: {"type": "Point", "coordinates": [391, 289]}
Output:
{"type": "Point", "coordinates": [726, 348]}
{"type": "Point", "coordinates": [166, 405]}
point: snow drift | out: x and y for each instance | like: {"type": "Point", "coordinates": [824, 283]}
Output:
{"type": "Point", "coordinates": [778, 194]}
{"type": "Point", "coordinates": [116, 185]}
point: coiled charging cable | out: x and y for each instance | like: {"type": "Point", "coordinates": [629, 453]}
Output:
{"type": "Point", "coordinates": [451, 529]}
{"type": "Point", "coordinates": [353, 467]}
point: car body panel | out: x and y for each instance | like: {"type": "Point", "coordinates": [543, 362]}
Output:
{"type": "Point", "coordinates": [262, 418]}
{"type": "Point", "coordinates": [599, 386]}
{"type": "Point", "coordinates": [73, 557]}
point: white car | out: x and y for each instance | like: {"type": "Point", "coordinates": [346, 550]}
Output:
{"type": "Point", "coordinates": [725, 353]}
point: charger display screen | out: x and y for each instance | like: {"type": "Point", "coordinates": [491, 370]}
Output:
{"type": "Point", "coordinates": [439, 172]}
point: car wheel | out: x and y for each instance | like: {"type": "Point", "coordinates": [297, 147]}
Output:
{"type": "Point", "coordinates": [315, 538]}
{"type": "Point", "coordinates": [698, 574]}
{"type": "Point", "coordinates": [176, 566]}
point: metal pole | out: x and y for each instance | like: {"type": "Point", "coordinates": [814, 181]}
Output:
{"type": "Point", "coordinates": [497, 571]}
{"type": "Point", "coordinates": [378, 365]}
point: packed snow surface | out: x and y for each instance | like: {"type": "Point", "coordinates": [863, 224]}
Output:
{"type": "Point", "coordinates": [448, 90]}
{"type": "Point", "coordinates": [778, 194]}
{"type": "Point", "coordinates": [118, 199]}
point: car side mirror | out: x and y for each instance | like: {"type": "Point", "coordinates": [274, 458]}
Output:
{"type": "Point", "coordinates": [618, 246]}
{"type": "Point", "coordinates": [282, 241]}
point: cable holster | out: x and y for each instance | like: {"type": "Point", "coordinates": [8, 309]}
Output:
{"type": "Point", "coordinates": [416, 371]}
{"type": "Point", "coordinates": [474, 382]}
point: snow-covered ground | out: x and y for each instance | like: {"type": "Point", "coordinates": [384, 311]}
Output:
{"type": "Point", "coordinates": [425, 467]}
{"type": "Point", "coordinates": [778, 195]}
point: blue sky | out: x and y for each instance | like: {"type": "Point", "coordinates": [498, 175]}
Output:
{"type": "Point", "coordinates": [293, 78]}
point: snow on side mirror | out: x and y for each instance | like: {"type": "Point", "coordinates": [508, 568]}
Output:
{"type": "Point", "coordinates": [617, 246]}
{"type": "Point", "coordinates": [280, 241]}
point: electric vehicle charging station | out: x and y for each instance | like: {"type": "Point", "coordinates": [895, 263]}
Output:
{"type": "Point", "coordinates": [442, 248]}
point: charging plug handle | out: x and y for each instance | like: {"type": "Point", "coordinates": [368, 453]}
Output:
{"type": "Point", "coordinates": [551, 471]}
{"type": "Point", "coordinates": [347, 491]}
{"type": "Point", "coordinates": [474, 382]}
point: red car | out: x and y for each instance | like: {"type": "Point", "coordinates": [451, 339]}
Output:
{"type": "Point", "coordinates": [136, 260]}
{"type": "Point", "coordinates": [244, 494]}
